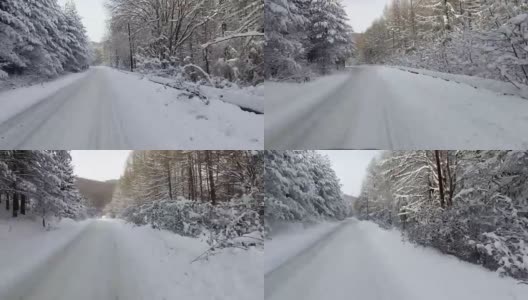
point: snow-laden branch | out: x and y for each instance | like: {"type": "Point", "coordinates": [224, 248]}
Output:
{"type": "Point", "coordinates": [234, 36]}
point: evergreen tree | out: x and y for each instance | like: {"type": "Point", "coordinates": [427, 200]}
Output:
{"type": "Point", "coordinates": [301, 187]}
{"type": "Point", "coordinates": [38, 37]}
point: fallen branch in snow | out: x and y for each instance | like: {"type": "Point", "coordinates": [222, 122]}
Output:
{"type": "Point", "coordinates": [224, 242]}
{"type": "Point", "coordinates": [190, 91]}
{"type": "Point", "coordinates": [507, 76]}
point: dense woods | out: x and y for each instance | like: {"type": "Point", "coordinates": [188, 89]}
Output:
{"type": "Point", "coordinates": [305, 36]}
{"type": "Point", "coordinates": [39, 183]}
{"type": "Point", "coordinates": [221, 38]}
{"type": "Point", "coordinates": [193, 192]}
{"type": "Point", "coordinates": [485, 38]}
{"type": "Point", "coordinates": [471, 204]}
{"type": "Point", "coordinates": [41, 38]}
{"type": "Point", "coordinates": [301, 186]}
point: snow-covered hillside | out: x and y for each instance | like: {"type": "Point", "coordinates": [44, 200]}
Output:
{"type": "Point", "coordinates": [108, 260]}
{"type": "Point", "coordinates": [362, 261]}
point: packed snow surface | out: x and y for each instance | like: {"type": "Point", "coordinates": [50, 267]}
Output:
{"type": "Point", "coordinates": [361, 261]}
{"type": "Point", "coordinates": [109, 260]}
{"type": "Point", "coordinates": [377, 107]}
{"type": "Point", "coordinates": [291, 240]}
{"type": "Point", "coordinates": [108, 109]}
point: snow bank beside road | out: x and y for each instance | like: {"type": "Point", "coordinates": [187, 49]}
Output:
{"type": "Point", "coordinates": [164, 261]}
{"type": "Point", "coordinates": [500, 87]}
{"type": "Point", "coordinates": [15, 101]}
{"type": "Point", "coordinates": [148, 108]}
{"type": "Point", "coordinates": [292, 240]}
{"type": "Point", "coordinates": [251, 97]}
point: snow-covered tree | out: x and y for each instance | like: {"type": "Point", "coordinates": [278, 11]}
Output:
{"type": "Point", "coordinates": [471, 204]}
{"type": "Point", "coordinates": [193, 192]}
{"type": "Point", "coordinates": [41, 182]}
{"type": "Point", "coordinates": [304, 33]}
{"type": "Point", "coordinates": [301, 187]}
{"type": "Point", "coordinates": [479, 38]}
{"type": "Point", "coordinates": [223, 38]}
{"type": "Point", "coordinates": [329, 34]}
{"type": "Point", "coordinates": [40, 38]}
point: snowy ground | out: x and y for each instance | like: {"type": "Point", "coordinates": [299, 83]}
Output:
{"type": "Point", "coordinates": [107, 109]}
{"type": "Point", "coordinates": [109, 260]}
{"type": "Point", "coordinates": [292, 240]}
{"type": "Point", "coordinates": [249, 98]}
{"type": "Point", "coordinates": [361, 261]}
{"type": "Point", "coordinates": [499, 87]}
{"type": "Point", "coordinates": [376, 107]}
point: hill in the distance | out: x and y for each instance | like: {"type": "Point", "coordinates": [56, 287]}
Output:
{"type": "Point", "coordinates": [98, 193]}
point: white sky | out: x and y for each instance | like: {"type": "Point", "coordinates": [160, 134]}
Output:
{"type": "Point", "coordinates": [99, 165]}
{"type": "Point", "coordinates": [363, 12]}
{"type": "Point", "coordinates": [94, 16]}
{"type": "Point", "coordinates": [350, 166]}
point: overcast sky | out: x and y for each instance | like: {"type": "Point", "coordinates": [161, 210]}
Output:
{"type": "Point", "coordinates": [93, 15]}
{"type": "Point", "coordinates": [99, 165]}
{"type": "Point", "coordinates": [363, 12]}
{"type": "Point", "coordinates": [350, 166]}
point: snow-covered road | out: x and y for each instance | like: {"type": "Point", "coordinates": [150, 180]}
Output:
{"type": "Point", "coordinates": [376, 107]}
{"type": "Point", "coordinates": [94, 263]}
{"type": "Point", "coordinates": [108, 109]}
{"type": "Point", "coordinates": [361, 261]}
{"type": "Point", "coordinates": [109, 260]}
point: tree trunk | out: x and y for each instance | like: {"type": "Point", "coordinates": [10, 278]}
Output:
{"type": "Point", "coordinates": [191, 177]}
{"type": "Point", "coordinates": [23, 204]}
{"type": "Point", "coordinates": [440, 180]}
{"type": "Point", "coordinates": [200, 176]}
{"type": "Point", "coordinates": [15, 205]}
{"type": "Point", "coordinates": [169, 180]}
{"type": "Point", "coordinates": [131, 52]}
{"type": "Point", "coordinates": [413, 23]}
{"type": "Point", "coordinates": [451, 182]}
{"type": "Point", "coordinates": [446, 12]}
{"type": "Point", "coordinates": [7, 201]}
{"type": "Point", "coordinates": [211, 179]}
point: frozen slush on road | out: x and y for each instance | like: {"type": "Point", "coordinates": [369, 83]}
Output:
{"type": "Point", "coordinates": [108, 109]}
{"type": "Point", "coordinates": [377, 107]}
